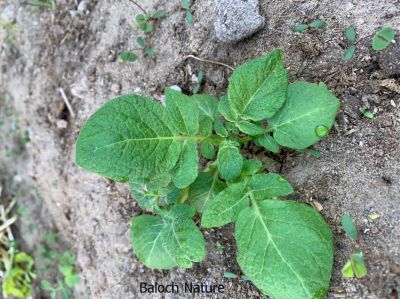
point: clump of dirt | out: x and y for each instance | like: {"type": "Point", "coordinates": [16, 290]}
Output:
{"type": "Point", "coordinates": [77, 51]}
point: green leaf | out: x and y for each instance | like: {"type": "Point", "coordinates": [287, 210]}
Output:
{"type": "Point", "coordinates": [133, 136]}
{"type": "Point", "coordinates": [200, 76]}
{"type": "Point", "coordinates": [186, 170]}
{"type": "Point", "coordinates": [149, 52]}
{"type": "Point", "coordinates": [308, 107]}
{"type": "Point", "coordinates": [72, 280]}
{"type": "Point", "coordinates": [229, 275]}
{"type": "Point", "coordinates": [225, 109]}
{"type": "Point", "coordinates": [226, 206]}
{"type": "Point", "coordinates": [196, 89]}
{"type": "Point", "coordinates": [350, 34]}
{"type": "Point", "coordinates": [358, 264]}
{"type": "Point", "coordinates": [204, 189]}
{"type": "Point", "coordinates": [318, 24]}
{"type": "Point", "coordinates": [189, 17]}
{"type": "Point", "coordinates": [148, 27]}
{"type": "Point", "coordinates": [147, 244]}
{"type": "Point", "coordinates": [269, 143]}
{"type": "Point", "coordinates": [185, 4]}
{"type": "Point", "coordinates": [184, 112]}
{"type": "Point", "coordinates": [300, 27]}
{"type": "Point", "coordinates": [365, 113]}
{"type": "Point", "coordinates": [181, 237]}
{"type": "Point", "coordinates": [257, 89]}
{"type": "Point", "coordinates": [220, 128]}
{"type": "Point", "coordinates": [250, 128]}
{"type": "Point", "coordinates": [207, 150]}
{"type": "Point", "coordinates": [205, 126]}
{"type": "Point", "coordinates": [349, 53]}
{"type": "Point", "coordinates": [251, 167]}
{"type": "Point", "coordinates": [269, 185]}
{"type": "Point", "coordinates": [285, 248]}
{"type": "Point", "coordinates": [230, 161]}
{"type": "Point", "coordinates": [208, 105]}
{"type": "Point", "coordinates": [127, 57]}
{"type": "Point", "coordinates": [145, 201]}
{"type": "Point", "coordinates": [347, 270]}
{"type": "Point", "coordinates": [314, 153]}
{"type": "Point", "coordinates": [45, 285]}
{"type": "Point", "coordinates": [140, 42]}
{"type": "Point", "coordinates": [140, 18]}
{"type": "Point", "coordinates": [383, 38]}
{"type": "Point", "coordinates": [159, 14]}
{"type": "Point", "coordinates": [349, 227]}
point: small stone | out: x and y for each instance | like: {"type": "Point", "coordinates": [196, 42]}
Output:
{"type": "Point", "coordinates": [389, 59]}
{"type": "Point", "coordinates": [9, 13]}
{"type": "Point", "coordinates": [116, 87]}
{"type": "Point", "coordinates": [62, 124]}
{"type": "Point", "coordinates": [82, 6]}
{"type": "Point", "coordinates": [237, 19]}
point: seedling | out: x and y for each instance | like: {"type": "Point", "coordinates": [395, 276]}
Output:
{"type": "Point", "coordinates": [383, 38]}
{"type": "Point", "coordinates": [42, 4]}
{"type": "Point", "coordinates": [365, 113]}
{"type": "Point", "coordinates": [11, 29]}
{"type": "Point", "coordinates": [229, 275]}
{"type": "Point", "coordinates": [132, 56]}
{"type": "Point", "coordinates": [145, 21]}
{"type": "Point", "coordinates": [199, 80]}
{"type": "Point", "coordinates": [351, 37]}
{"type": "Point", "coordinates": [355, 266]}
{"type": "Point", "coordinates": [154, 148]}
{"type": "Point", "coordinates": [189, 15]}
{"type": "Point", "coordinates": [314, 24]}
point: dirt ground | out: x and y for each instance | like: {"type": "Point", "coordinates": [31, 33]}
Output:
{"type": "Point", "coordinates": [358, 172]}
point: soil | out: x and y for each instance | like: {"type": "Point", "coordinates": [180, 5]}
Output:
{"type": "Point", "coordinates": [358, 172]}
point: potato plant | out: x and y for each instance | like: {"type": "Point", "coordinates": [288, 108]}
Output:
{"type": "Point", "coordinates": [284, 247]}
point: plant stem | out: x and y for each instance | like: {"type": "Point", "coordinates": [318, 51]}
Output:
{"type": "Point", "coordinates": [140, 7]}
{"type": "Point", "coordinates": [209, 61]}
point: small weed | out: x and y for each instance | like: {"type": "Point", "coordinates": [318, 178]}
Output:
{"type": "Point", "coordinates": [383, 38]}
{"type": "Point", "coordinates": [355, 266]}
{"type": "Point", "coordinates": [189, 15]}
{"type": "Point", "coordinates": [132, 56]}
{"type": "Point", "coordinates": [11, 29]}
{"type": "Point", "coordinates": [314, 24]}
{"type": "Point", "coordinates": [351, 37]}
{"type": "Point", "coordinates": [198, 82]}
{"type": "Point", "coordinates": [145, 21]}
{"type": "Point", "coordinates": [365, 113]}
{"type": "Point", "coordinates": [42, 4]}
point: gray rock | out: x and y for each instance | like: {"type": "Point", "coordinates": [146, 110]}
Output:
{"type": "Point", "coordinates": [9, 13]}
{"type": "Point", "coordinates": [237, 19]}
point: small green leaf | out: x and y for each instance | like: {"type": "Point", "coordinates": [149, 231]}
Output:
{"type": "Point", "coordinates": [207, 150]}
{"type": "Point", "coordinates": [349, 227]}
{"type": "Point", "coordinates": [230, 161]}
{"type": "Point", "coordinates": [225, 109]}
{"type": "Point", "coordinates": [140, 18]}
{"type": "Point", "coordinates": [127, 57]}
{"type": "Point", "coordinates": [349, 53]}
{"type": "Point", "coordinates": [204, 189]}
{"type": "Point", "coordinates": [383, 38]}
{"type": "Point", "coordinates": [45, 285]}
{"type": "Point", "coordinates": [314, 153]}
{"type": "Point", "coordinates": [149, 52]}
{"type": "Point", "coordinates": [251, 167]}
{"type": "Point", "coordinates": [229, 275]}
{"type": "Point", "coordinates": [159, 14]}
{"type": "Point", "coordinates": [196, 89]}
{"type": "Point", "coordinates": [257, 89]}
{"type": "Point", "coordinates": [208, 105]}
{"type": "Point", "coordinates": [226, 206]}
{"type": "Point", "coordinates": [269, 143]}
{"type": "Point", "coordinates": [205, 126]}
{"type": "Point", "coordinates": [269, 185]}
{"type": "Point", "coordinates": [186, 170]}
{"type": "Point", "coordinates": [185, 4]}
{"type": "Point", "coordinates": [250, 128]}
{"type": "Point", "coordinates": [220, 128]}
{"type": "Point", "coordinates": [189, 17]}
{"type": "Point", "coordinates": [318, 24]}
{"type": "Point", "coordinates": [350, 34]}
{"type": "Point", "coordinates": [200, 76]}
{"type": "Point", "coordinates": [148, 27]}
{"type": "Point", "coordinates": [347, 270]}
{"type": "Point", "coordinates": [285, 248]}
{"type": "Point", "coordinates": [365, 113]}
{"type": "Point", "coordinates": [140, 42]}
{"type": "Point", "coordinates": [308, 106]}
{"type": "Point", "coordinates": [300, 27]}
{"type": "Point", "coordinates": [358, 264]}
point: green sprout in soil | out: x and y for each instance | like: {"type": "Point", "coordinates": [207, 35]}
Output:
{"type": "Point", "coordinates": [314, 24]}
{"type": "Point", "coordinates": [365, 113]}
{"type": "Point", "coordinates": [145, 21]}
{"type": "Point", "coordinates": [199, 81]}
{"type": "Point", "coordinates": [11, 30]}
{"type": "Point", "coordinates": [383, 38]}
{"type": "Point", "coordinates": [131, 56]}
{"type": "Point", "coordinates": [41, 4]}
{"type": "Point", "coordinates": [189, 15]}
{"type": "Point", "coordinates": [351, 37]}
{"type": "Point", "coordinates": [284, 247]}
{"type": "Point", "coordinates": [355, 266]}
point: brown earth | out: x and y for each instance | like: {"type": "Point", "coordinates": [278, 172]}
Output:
{"type": "Point", "coordinates": [358, 172]}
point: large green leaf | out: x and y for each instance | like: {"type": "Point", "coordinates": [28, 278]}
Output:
{"type": "Point", "coordinates": [225, 109]}
{"type": "Point", "coordinates": [230, 161]}
{"type": "Point", "coordinates": [269, 185]}
{"type": "Point", "coordinates": [186, 170]}
{"type": "Point", "coordinates": [285, 248]}
{"type": "Point", "coordinates": [226, 206]}
{"type": "Point", "coordinates": [146, 241]}
{"type": "Point", "coordinates": [204, 189]}
{"type": "Point", "coordinates": [173, 240]}
{"type": "Point", "coordinates": [306, 117]}
{"type": "Point", "coordinates": [257, 89]}
{"type": "Point", "coordinates": [133, 136]}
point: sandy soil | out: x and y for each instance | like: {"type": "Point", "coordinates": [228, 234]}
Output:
{"type": "Point", "coordinates": [358, 172]}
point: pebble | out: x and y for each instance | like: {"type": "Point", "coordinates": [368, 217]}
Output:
{"type": "Point", "coordinates": [82, 6]}
{"type": "Point", "coordinates": [9, 13]}
{"type": "Point", "coordinates": [237, 19]}
{"type": "Point", "coordinates": [62, 124]}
